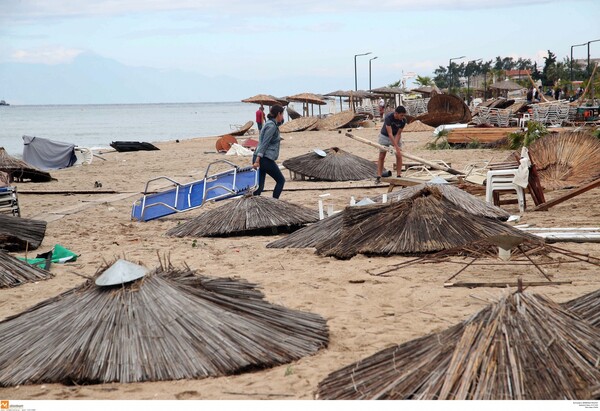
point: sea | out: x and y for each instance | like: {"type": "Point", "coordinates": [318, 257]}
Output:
{"type": "Point", "coordinates": [98, 125]}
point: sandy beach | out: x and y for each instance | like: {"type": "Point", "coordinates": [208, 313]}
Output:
{"type": "Point", "coordinates": [365, 313]}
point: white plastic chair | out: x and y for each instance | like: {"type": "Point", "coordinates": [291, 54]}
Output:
{"type": "Point", "coordinates": [501, 180]}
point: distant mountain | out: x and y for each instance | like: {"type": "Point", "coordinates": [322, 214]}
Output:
{"type": "Point", "coordinates": [92, 79]}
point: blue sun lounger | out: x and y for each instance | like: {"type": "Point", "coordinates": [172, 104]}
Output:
{"type": "Point", "coordinates": [184, 197]}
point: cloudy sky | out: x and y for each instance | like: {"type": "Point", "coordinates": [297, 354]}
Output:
{"type": "Point", "coordinates": [264, 40]}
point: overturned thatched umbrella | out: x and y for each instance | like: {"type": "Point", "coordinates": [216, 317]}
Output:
{"type": "Point", "coordinates": [523, 347]}
{"type": "Point", "coordinates": [336, 165]}
{"type": "Point", "coordinates": [445, 109]}
{"type": "Point", "coordinates": [14, 272]}
{"type": "Point", "coordinates": [335, 121]}
{"type": "Point", "coordinates": [298, 124]}
{"type": "Point", "coordinates": [567, 159]}
{"type": "Point", "coordinates": [313, 234]}
{"type": "Point", "coordinates": [18, 233]}
{"type": "Point", "coordinates": [328, 231]}
{"type": "Point", "coordinates": [423, 223]}
{"type": "Point", "coordinates": [417, 126]}
{"type": "Point", "coordinates": [19, 170]}
{"type": "Point", "coordinates": [163, 326]}
{"type": "Point", "coordinates": [247, 215]}
{"type": "Point", "coordinates": [587, 307]}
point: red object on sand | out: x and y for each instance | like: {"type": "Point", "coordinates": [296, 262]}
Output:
{"type": "Point", "coordinates": [250, 143]}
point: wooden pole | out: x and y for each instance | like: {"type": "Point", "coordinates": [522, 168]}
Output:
{"type": "Point", "coordinates": [570, 194]}
{"type": "Point", "coordinates": [391, 150]}
{"type": "Point", "coordinates": [535, 87]}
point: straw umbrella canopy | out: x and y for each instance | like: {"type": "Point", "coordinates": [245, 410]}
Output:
{"type": "Point", "coordinates": [388, 90]}
{"type": "Point", "coordinates": [337, 165]}
{"type": "Point", "coordinates": [507, 85]}
{"type": "Point", "coordinates": [587, 307]}
{"type": "Point", "coordinates": [523, 347]}
{"type": "Point", "coordinates": [163, 326]}
{"type": "Point", "coordinates": [263, 99]}
{"type": "Point", "coordinates": [424, 223]}
{"type": "Point", "coordinates": [247, 215]}
{"type": "Point", "coordinates": [14, 272]}
{"type": "Point", "coordinates": [20, 170]}
{"type": "Point", "coordinates": [335, 121]}
{"type": "Point", "coordinates": [298, 124]}
{"type": "Point", "coordinates": [445, 109]}
{"type": "Point", "coordinates": [18, 233]}
{"type": "Point", "coordinates": [329, 230]}
{"type": "Point", "coordinates": [306, 99]}
{"type": "Point", "coordinates": [567, 159]}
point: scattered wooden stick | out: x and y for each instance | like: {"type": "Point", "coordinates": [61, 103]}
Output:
{"type": "Point", "coordinates": [505, 284]}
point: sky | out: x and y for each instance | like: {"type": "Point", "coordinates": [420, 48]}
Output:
{"type": "Point", "coordinates": [295, 46]}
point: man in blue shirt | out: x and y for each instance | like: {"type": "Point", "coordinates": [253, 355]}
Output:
{"type": "Point", "coordinates": [391, 135]}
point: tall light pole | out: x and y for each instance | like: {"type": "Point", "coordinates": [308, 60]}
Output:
{"type": "Point", "coordinates": [370, 72]}
{"type": "Point", "coordinates": [355, 78]}
{"type": "Point", "coordinates": [571, 66]}
{"type": "Point", "coordinates": [450, 71]}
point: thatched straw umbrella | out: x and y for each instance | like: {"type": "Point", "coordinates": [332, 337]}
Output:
{"type": "Point", "coordinates": [247, 215]}
{"type": "Point", "coordinates": [337, 165]}
{"type": "Point", "coordinates": [335, 121]}
{"type": "Point", "coordinates": [417, 126]}
{"type": "Point", "coordinates": [14, 272]}
{"type": "Point", "coordinates": [523, 347]}
{"type": "Point", "coordinates": [324, 230]}
{"type": "Point", "coordinates": [164, 326]}
{"type": "Point", "coordinates": [587, 307]}
{"type": "Point", "coordinates": [424, 223]}
{"type": "Point", "coordinates": [445, 109]}
{"type": "Point", "coordinates": [263, 99]}
{"type": "Point", "coordinates": [328, 231]}
{"type": "Point", "coordinates": [566, 159]}
{"type": "Point", "coordinates": [18, 233]}
{"type": "Point", "coordinates": [298, 124]}
{"type": "Point", "coordinates": [19, 170]}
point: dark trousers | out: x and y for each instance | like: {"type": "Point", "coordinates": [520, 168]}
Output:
{"type": "Point", "coordinates": [268, 166]}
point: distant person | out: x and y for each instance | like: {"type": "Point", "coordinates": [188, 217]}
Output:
{"type": "Point", "coordinates": [267, 152]}
{"type": "Point", "coordinates": [391, 135]}
{"type": "Point", "coordinates": [557, 93]}
{"type": "Point", "coordinates": [529, 96]}
{"type": "Point", "coordinates": [260, 117]}
{"type": "Point", "coordinates": [381, 107]}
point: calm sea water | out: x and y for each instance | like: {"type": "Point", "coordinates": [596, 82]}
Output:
{"type": "Point", "coordinates": [99, 125]}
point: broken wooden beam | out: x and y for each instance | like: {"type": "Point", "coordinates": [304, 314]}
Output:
{"type": "Point", "coordinates": [506, 284]}
{"type": "Point", "coordinates": [567, 196]}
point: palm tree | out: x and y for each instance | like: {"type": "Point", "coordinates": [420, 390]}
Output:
{"type": "Point", "coordinates": [424, 81]}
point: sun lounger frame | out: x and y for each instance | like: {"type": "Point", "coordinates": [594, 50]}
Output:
{"type": "Point", "coordinates": [230, 183]}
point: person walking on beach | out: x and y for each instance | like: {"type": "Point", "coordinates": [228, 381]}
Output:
{"type": "Point", "coordinates": [267, 152]}
{"type": "Point", "coordinates": [260, 117]}
{"type": "Point", "coordinates": [381, 107]}
{"type": "Point", "coordinates": [391, 135]}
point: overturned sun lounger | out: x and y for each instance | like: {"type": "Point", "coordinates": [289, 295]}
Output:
{"type": "Point", "coordinates": [183, 197]}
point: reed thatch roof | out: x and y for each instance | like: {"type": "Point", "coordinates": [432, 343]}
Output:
{"type": "Point", "coordinates": [417, 126]}
{"type": "Point", "coordinates": [298, 124]}
{"type": "Point", "coordinates": [19, 170]}
{"type": "Point", "coordinates": [307, 98]}
{"type": "Point", "coordinates": [587, 307]}
{"type": "Point", "coordinates": [336, 121]}
{"type": "Point", "coordinates": [14, 272]}
{"type": "Point", "coordinates": [18, 233]}
{"type": "Point", "coordinates": [264, 99]}
{"type": "Point", "coordinates": [508, 85]}
{"type": "Point", "coordinates": [328, 231]}
{"type": "Point", "coordinates": [247, 215]}
{"type": "Point", "coordinates": [168, 325]}
{"type": "Point", "coordinates": [322, 231]}
{"type": "Point", "coordinates": [445, 109]}
{"type": "Point", "coordinates": [424, 223]}
{"type": "Point", "coordinates": [523, 347]}
{"type": "Point", "coordinates": [337, 165]}
{"type": "Point", "coordinates": [567, 159]}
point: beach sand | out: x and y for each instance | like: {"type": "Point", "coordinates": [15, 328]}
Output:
{"type": "Point", "coordinates": [365, 313]}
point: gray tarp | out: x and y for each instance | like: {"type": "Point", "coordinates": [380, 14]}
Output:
{"type": "Point", "coordinates": [48, 154]}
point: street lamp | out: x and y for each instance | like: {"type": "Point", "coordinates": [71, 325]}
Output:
{"type": "Point", "coordinates": [469, 80]}
{"type": "Point", "coordinates": [449, 71]}
{"type": "Point", "coordinates": [370, 72]}
{"type": "Point", "coordinates": [355, 80]}
{"type": "Point", "coordinates": [571, 66]}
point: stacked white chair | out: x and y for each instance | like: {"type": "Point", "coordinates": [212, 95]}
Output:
{"type": "Point", "coordinates": [502, 180]}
